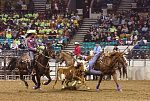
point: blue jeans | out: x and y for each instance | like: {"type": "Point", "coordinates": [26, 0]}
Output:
{"type": "Point", "coordinates": [31, 53]}
{"type": "Point", "coordinates": [91, 63]}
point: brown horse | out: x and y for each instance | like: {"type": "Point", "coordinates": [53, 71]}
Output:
{"type": "Point", "coordinates": [68, 74]}
{"type": "Point", "coordinates": [63, 56]}
{"type": "Point", "coordinates": [118, 65]}
{"type": "Point", "coordinates": [108, 66]}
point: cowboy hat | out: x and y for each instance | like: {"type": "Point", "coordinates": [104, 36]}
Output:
{"type": "Point", "coordinates": [30, 32]}
{"type": "Point", "coordinates": [76, 43]}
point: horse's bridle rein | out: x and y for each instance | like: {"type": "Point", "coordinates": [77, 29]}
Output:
{"type": "Point", "coordinates": [46, 67]}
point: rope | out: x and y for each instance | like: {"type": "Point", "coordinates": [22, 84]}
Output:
{"type": "Point", "coordinates": [46, 67]}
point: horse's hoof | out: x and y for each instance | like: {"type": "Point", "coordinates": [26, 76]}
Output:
{"type": "Point", "coordinates": [120, 90]}
{"type": "Point", "coordinates": [79, 82]}
{"type": "Point", "coordinates": [36, 87]}
{"type": "Point", "coordinates": [63, 87]}
{"type": "Point", "coordinates": [97, 89]}
{"type": "Point", "coordinates": [45, 83]}
{"type": "Point", "coordinates": [88, 88]}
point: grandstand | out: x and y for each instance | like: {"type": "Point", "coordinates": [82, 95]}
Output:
{"type": "Point", "coordinates": [63, 22]}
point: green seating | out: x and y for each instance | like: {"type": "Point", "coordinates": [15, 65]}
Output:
{"type": "Point", "coordinates": [82, 49]}
{"type": "Point", "coordinates": [144, 47]}
{"type": "Point", "coordinates": [92, 43]}
{"type": "Point", "coordinates": [103, 44]}
{"type": "Point", "coordinates": [112, 43]}
{"type": "Point", "coordinates": [148, 44]}
{"type": "Point", "coordinates": [57, 48]}
{"type": "Point", "coordinates": [85, 44]}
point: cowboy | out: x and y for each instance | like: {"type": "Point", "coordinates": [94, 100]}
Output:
{"type": "Point", "coordinates": [97, 48]}
{"type": "Point", "coordinates": [77, 49]}
{"type": "Point", "coordinates": [89, 69]}
{"type": "Point", "coordinates": [31, 46]}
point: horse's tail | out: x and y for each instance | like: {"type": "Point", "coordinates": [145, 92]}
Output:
{"type": "Point", "coordinates": [56, 77]}
{"type": "Point", "coordinates": [124, 71]}
{"type": "Point", "coordinates": [12, 64]}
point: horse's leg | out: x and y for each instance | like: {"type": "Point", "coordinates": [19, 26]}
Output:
{"type": "Point", "coordinates": [38, 82]}
{"type": "Point", "coordinates": [21, 77]}
{"type": "Point", "coordinates": [33, 79]}
{"type": "Point", "coordinates": [49, 78]}
{"type": "Point", "coordinates": [115, 79]}
{"type": "Point", "coordinates": [120, 73]}
{"type": "Point", "coordinates": [100, 80]}
{"type": "Point", "coordinates": [62, 83]}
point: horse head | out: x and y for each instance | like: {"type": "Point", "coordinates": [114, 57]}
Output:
{"type": "Point", "coordinates": [49, 50]}
{"type": "Point", "coordinates": [60, 57]}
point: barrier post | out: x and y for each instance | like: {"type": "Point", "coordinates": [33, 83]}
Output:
{"type": "Point", "coordinates": [4, 66]}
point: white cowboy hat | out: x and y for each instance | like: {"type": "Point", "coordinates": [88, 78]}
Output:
{"type": "Point", "coordinates": [31, 31]}
{"type": "Point", "coordinates": [76, 43]}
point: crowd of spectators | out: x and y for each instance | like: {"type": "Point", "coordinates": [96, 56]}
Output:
{"type": "Point", "coordinates": [49, 27]}
{"type": "Point", "coordinates": [124, 28]}
{"type": "Point", "coordinates": [98, 5]}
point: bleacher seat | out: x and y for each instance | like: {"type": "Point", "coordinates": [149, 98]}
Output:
{"type": "Point", "coordinates": [57, 48]}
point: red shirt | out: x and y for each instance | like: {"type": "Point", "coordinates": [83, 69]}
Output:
{"type": "Point", "coordinates": [77, 50]}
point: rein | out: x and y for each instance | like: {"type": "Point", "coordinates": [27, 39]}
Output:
{"type": "Point", "coordinates": [46, 56]}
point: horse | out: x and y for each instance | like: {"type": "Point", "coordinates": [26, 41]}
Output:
{"type": "Point", "coordinates": [23, 65]}
{"type": "Point", "coordinates": [70, 73]}
{"type": "Point", "coordinates": [41, 65]}
{"type": "Point", "coordinates": [63, 56]}
{"type": "Point", "coordinates": [97, 64]}
{"type": "Point", "coordinates": [108, 67]}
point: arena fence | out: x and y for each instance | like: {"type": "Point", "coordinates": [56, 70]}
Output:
{"type": "Point", "coordinates": [135, 58]}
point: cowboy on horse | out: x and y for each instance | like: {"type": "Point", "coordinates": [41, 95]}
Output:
{"type": "Point", "coordinates": [31, 46]}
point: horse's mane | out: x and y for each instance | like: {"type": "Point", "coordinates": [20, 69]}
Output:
{"type": "Point", "coordinates": [66, 54]}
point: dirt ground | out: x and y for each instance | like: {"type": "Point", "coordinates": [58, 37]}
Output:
{"type": "Point", "coordinates": [132, 91]}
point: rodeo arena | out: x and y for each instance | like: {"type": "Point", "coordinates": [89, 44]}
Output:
{"type": "Point", "coordinates": [74, 50]}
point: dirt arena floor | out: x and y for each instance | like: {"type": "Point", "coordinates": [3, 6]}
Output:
{"type": "Point", "coordinates": [132, 91]}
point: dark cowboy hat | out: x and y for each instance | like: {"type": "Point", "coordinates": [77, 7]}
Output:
{"type": "Point", "coordinates": [31, 32]}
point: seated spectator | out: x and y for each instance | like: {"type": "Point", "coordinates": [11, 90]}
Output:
{"type": "Point", "coordinates": [87, 37]}
{"type": "Point", "coordinates": [115, 48]}
{"type": "Point", "coordinates": [14, 34]}
{"type": "Point", "coordinates": [8, 35]}
{"type": "Point", "coordinates": [145, 29]}
{"type": "Point", "coordinates": [45, 40]}
{"type": "Point", "coordinates": [1, 47]}
{"type": "Point", "coordinates": [13, 45]}
{"type": "Point", "coordinates": [6, 46]}
{"type": "Point", "coordinates": [54, 42]}
{"type": "Point", "coordinates": [17, 41]}
{"type": "Point", "coordinates": [22, 45]}
{"type": "Point", "coordinates": [134, 37]}
{"type": "Point", "coordinates": [95, 37]}
{"type": "Point", "coordinates": [128, 42]}
{"type": "Point", "coordinates": [112, 29]}
{"type": "Point", "coordinates": [143, 42]}
{"type": "Point", "coordinates": [52, 32]}
{"type": "Point", "coordinates": [121, 42]}
{"type": "Point", "coordinates": [125, 30]}
{"type": "Point", "coordinates": [60, 42]}
{"type": "Point", "coordinates": [109, 38]}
